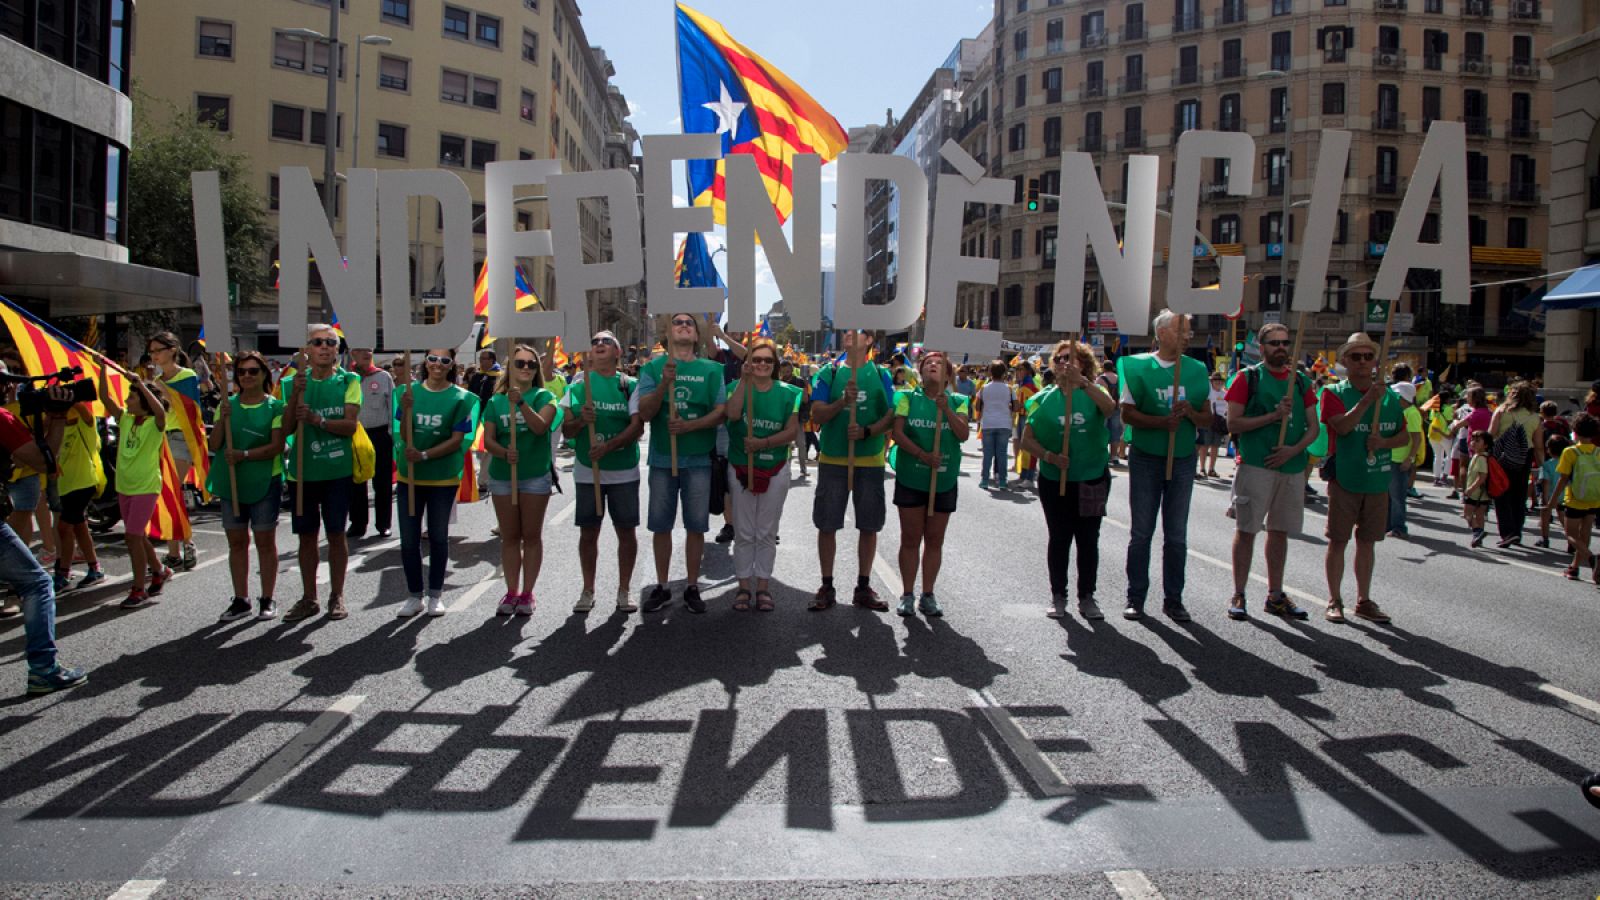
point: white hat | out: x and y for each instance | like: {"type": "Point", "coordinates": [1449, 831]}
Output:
{"type": "Point", "coordinates": [1406, 390]}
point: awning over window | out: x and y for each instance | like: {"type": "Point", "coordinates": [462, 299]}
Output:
{"type": "Point", "coordinates": [76, 285]}
{"type": "Point", "coordinates": [1580, 290]}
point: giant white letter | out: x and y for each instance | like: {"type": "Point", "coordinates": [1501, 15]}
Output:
{"type": "Point", "coordinates": [507, 244]}
{"type": "Point", "coordinates": [212, 256]}
{"type": "Point", "coordinates": [947, 266]}
{"type": "Point", "coordinates": [797, 270]}
{"type": "Point", "coordinates": [1182, 296]}
{"type": "Point", "coordinates": [1323, 217]}
{"type": "Point", "coordinates": [1085, 221]}
{"type": "Point", "coordinates": [574, 278]}
{"type": "Point", "coordinates": [395, 188]}
{"type": "Point", "coordinates": [663, 221]}
{"type": "Point", "coordinates": [1443, 160]}
{"type": "Point", "coordinates": [850, 310]}
{"type": "Point", "coordinates": [304, 231]}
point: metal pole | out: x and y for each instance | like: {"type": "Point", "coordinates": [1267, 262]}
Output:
{"type": "Point", "coordinates": [355, 128]}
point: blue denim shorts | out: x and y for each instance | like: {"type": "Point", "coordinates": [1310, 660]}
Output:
{"type": "Point", "coordinates": [24, 493]}
{"type": "Point", "coordinates": [691, 487]}
{"type": "Point", "coordinates": [539, 485]}
{"type": "Point", "coordinates": [261, 515]}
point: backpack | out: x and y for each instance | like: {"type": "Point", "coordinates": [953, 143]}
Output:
{"type": "Point", "coordinates": [1252, 380]}
{"type": "Point", "coordinates": [1584, 485]}
{"type": "Point", "coordinates": [1497, 483]}
{"type": "Point", "coordinates": [1511, 447]}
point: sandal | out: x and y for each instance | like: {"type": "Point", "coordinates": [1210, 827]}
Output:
{"type": "Point", "coordinates": [764, 602]}
{"type": "Point", "coordinates": [1571, 572]}
{"type": "Point", "coordinates": [741, 601]}
{"type": "Point", "coordinates": [1237, 609]}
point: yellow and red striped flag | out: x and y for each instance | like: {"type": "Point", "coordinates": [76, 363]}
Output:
{"type": "Point", "coordinates": [726, 89]}
{"type": "Point", "coordinates": [192, 424]}
{"type": "Point", "coordinates": [171, 519]}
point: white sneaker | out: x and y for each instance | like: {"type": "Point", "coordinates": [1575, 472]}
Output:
{"type": "Point", "coordinates": [436, 607]}
{"type": "Point", "coordinates": [412, 607]}
{"type": "Point", "coordinates": [585, 602]}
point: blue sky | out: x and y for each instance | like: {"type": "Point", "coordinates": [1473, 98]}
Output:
{"type": "Point", "coordinates": [856, 58]}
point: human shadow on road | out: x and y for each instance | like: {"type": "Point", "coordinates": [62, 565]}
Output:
{"type": "Point", "coordinates": [1099, 650]}
{"type": "Point", "coordinates": [860, 644]}
{"type": "Point", "coordinates": [934, 649]}
{"type": "Point", "coordinates": [480, 651]}
{"type": "Point", "coordinates": [386, 648]}
{"type": "Point", "coordinates": [1232, 671]}
{"type": "Point", "coordinates": [571, 649]}
{"type": "Point", "coordinates": [1354, 663]}
{"type": "Point", "coordinates": [1459, 665]}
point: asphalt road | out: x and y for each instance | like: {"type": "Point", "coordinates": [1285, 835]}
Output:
{"type": "Point", "coordinates": [994, 752]}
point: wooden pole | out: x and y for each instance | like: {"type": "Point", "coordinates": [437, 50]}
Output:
{"type": "Point", "coordinates": [1172, 436]}
{"type": "Point", "coordinates": [296, 397]}
{"type": "Point", "coordinates": [1066, 428]}
{"type": "Point", "coordinates": [594, 464]}
{"type": "Point", "coordinates": [933, 476]}
{"type": "Point", "coordinates": [1377, 369]}
{"type": "Point", "coordinates": [1294, 371]}
{"type": "Point", "coordinates": [850, 460]}
{"type": "Point", "coordinates": [672, 416]}
{"type": "Point", "coordinates": [406, 426]}
{"type": "Point", "coordinates": [221, 373]}
{"type": "Point", "coordinates": [516, 411]}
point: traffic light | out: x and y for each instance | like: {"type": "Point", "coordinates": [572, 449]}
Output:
{"type": "Point", "coordinates": [1238, 346]}
{"type": "Point", "coordinates": [1033, 195]}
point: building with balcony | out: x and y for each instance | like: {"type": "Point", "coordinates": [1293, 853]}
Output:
{"type": "Point", "coordinates": [1113, 78]}
{"type": "Point", "coordinates": [1572, 337]}
{"type": "Point", "coordinates": [420, 86]}
{"type": "Point", "coordinates": [66, 122]}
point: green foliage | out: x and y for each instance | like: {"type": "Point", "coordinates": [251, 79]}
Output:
{"type": "Point", "coordinates": [168, 144]}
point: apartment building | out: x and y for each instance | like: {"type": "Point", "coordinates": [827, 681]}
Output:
{"type": "Point", "coordinates": [421, 84]}
{"type": "Point", "coordinates": [1572, 342]}
{"type": "Point", "coordinates": [1119, 78]}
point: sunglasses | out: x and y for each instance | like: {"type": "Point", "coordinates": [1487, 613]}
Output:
{"type": "Point", "coordinates": [1361, 357]}
{"type": "Point", "coordinates": [158, 348]}
{"type": "Point", "coordinates": [253, 370]}
{"type": "Point", "coordinates": [323, 342]}
{"type": "Point", "coordinates": [1276, 343]}
{"type": "Point", "coordinates": [439, 360]}
{"type": "Point", "coordinates": [595, 342]}
{"type": "Point", "coordinates": [760, 361]}
{"type": "Point", "coordinates": [524, 363]}
{"type": "Point", "coordinates": [1062, 357]}
{"type": "Point", "coordinates": [683, 321]}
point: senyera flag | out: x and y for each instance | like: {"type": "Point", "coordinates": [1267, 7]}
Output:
{"type": "Point", "coordinates": [727, 90]}
{"type": "Point", "coordinates": [45, 350]}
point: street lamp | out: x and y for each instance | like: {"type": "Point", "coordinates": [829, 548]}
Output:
{"type": "Point", "coordinates": [376, 40]}
{"type": "Point", "coordinates": [1283, 172]}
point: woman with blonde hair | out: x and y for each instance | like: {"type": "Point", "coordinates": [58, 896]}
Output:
{"type": "Point", "coordinates": [927, 416]}
{"type": "Point", "coordinates": [517, 424]}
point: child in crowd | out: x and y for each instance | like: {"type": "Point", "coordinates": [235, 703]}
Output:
{"type": "Point", "coordinates": [141, 432]}
{"type": "Point", "coordinates": [1545, 485]}
{"type": "Point", "coordinates": [1578, 488]}
{"type": "Point", "coordinates": [1475, 497]}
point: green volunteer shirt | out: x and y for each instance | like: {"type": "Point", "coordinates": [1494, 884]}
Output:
{"type": "Point", "coordinates": [1356, 470]}
{"type": "Point", "coordinates": [533, 450]}
{"type": "Point", "coordinates": [920, 413]}
{"type": "Point", "coordinates": [252, 427]}
{"type": "Point", "coordinates": [770, 411]}
{"type": "Point", "coordinates": [435, 416]}
{"type": "Point", "coordinates": [1089, 449]}
{"type": "Point", "coordinates": [328, 456]}
{"type": "Point", "coordinates": [1149, 385]}
{"type": "Point", "coordinates": [611, 418]}
{"type": "Point", "coordinates": [695, 396]}
{"type": "Point", "coordinates": [1255, 446]}
{"type": "Point", "coordinates": [873, 402]}
{"type": "Point", "coordinates": [138, 455]}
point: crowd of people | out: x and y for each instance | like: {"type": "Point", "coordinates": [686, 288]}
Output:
{"type": "Point", "coordinates": [358, 447]}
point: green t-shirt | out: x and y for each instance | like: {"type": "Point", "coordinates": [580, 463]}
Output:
{"type": "Point", "coordinates": [435, 416]}
{"type": "Point", "coordinates": [328, 456]}
{"type": "Point", "coordinates": [1090, 449]}
{"type": "Point", "coordinates": [920, 413]}
{"type": "Point", "coordinates": [699, 381]}
{"type": "Point", "coordinates": [1148, 386]}
{"type": "Point", "coordinates": [252, 427]}
{"type": "Point", "coordinates": [1255, 446]}
{"type": "Point", "coordinates": [1356, 470]}
{"type": "Point", "coordinates": [873, 402]}
{"type": "Point", "coordinates": [138, 455]}
{"type": "Point", "coordinates": [770, 410]}
{"type": "Point", "coordinates": [611, 418]}
{"type": "Point", "coordinates": [533, 450]}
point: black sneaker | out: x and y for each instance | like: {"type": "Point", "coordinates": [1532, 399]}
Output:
{"type": "Point", "coordinates": [691, 599]}
{"type": "Point", "coordinates": [238, 608]}
{"type": "Point", "coordinates": [725, 536]}
{"type": "Point", "coordinates": [1176, 612]}
{"type": "Point", "coordinates": [1132, 613]}
{"type": "Point", "coordinates": [269, 609]}
{"type": "Point", "coordinates": [658, 597]}
{"type": "Point", "coordinates": [1279, 605]}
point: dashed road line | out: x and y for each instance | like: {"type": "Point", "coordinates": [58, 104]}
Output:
{"type": "Point", "coordinates": [476, 591]}
{"type": "Point", "coordinates": [1046, 777]}
{"type": "Point", "coordinates": [252, 789]}
{"type": "Point", "coordinates": [1132, 884]}
{"type": "Point", "coordinates": [138, 889]}
{"type": "Point", "coordinates": [1568, 696]}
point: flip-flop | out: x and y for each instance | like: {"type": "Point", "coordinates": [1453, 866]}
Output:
{"type": "Point", "coordinates": [764, 602]}
{"type": "Point", "coordinates": [741, 601]}
{"type": "Point", "coordinates": [1589, 785]}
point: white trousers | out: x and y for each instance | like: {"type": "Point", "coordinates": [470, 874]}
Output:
{"type": "Point", "coordinates": [755, 524]}
{"type": "Point", "coordinates": [1441, 458]}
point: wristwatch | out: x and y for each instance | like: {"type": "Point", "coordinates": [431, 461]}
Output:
{"type": "Point", "coordinates": [424, 454]}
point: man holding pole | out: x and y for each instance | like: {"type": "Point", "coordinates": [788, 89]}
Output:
{"type": "Point", "coordinates": [681, 395]}
{"type": "Point", "coordinates": [1272, 408]}
{"type": "Point", "coordinates": [325, 412]}
{"type": "Point", "coordinates": [1365, 422]}
{"type": "Point", "coordinates": [606, 435]}
{"type": "Point", "coordinates": [1157, 389]}
{"type": "Point", "coordinates": [854, 406]}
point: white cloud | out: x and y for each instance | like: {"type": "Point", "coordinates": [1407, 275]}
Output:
{"type": "Point", "coordinates": [633, 108]}
{"type": "Point", "coordinates": [676, 123]}
{"type": "Point", "coordinates": [830, 174]}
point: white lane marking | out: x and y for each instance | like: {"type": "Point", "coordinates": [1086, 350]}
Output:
{"type": "Point", "coordinates": [1046, 777]}
{"type": "Point", "coordinates": [1228, 567]}
{"type": "Point", "coordinates": [138, 889]}
{"type": "Point", "coordinates": [1570, 697]}
{"type": "Point", "coordinates": [1132, 884]}
{"type": "Point", "coordinates": [568, 511]}
{"type": "Point", "coordinates": [324, 574]}
{"type": "Point", "coordinates": [290, 755]}
{"type": "Point", "coordinates": [476, 591]}
{"type": "Point", "coordinates": [886, 573]}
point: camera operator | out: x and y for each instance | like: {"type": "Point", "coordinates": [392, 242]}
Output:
{"type": "Point", "coordinates": [18, 567]}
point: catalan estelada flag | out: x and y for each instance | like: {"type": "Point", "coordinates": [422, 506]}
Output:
{"type": "Point", "coordinates": [192, 424]}
{"type": "Point", "coordinates": [171, 519]}
{"type": "Point", "coordinates": [45, 350]}
{"type": "Point", "coordinates": [526, 298]}
{"type": "Point", "coordinates": [727, 90]}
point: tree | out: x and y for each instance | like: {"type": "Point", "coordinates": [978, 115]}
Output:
{"type": "Point", "coordinates": [168, 144]}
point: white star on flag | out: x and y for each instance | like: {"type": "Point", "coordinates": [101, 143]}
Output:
{"type": "Point", "coordinates": [727, 111]}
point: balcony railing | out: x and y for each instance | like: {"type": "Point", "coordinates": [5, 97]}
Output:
{"type": "Point", "coordinates": [1093, 89]}
{"type": "Point", "coordinates": [1521, 192]}
{"type": "Point", "coordinates": [1335, 55]}
{"type": "Point", "coordinates": [1477, 65]}
{"type": "Point", "coordinates": [1477, 9]}
{"type": "Point", "coordinates": [1390, 6]}
{"type": "Point", "coordinates": [1132, 32]}
{"type": "Point", "coordinates": [1389, 58]}
{"type": "Point", "coordinates": [1092, 143]}
{"type": "Point", "coordinates": [1232, 13]}
{"type": "Point", "coordinates": [1389, 120]}
{"type": "Point", "coordinates": [1229, 68]}
{"type": "Point", "coordinates": [1522, 129]}
{"type": "Point", "coordinates": [1130, 140]}
{"type": "Point", "coordinates": [1385, 185]}
{"type": "Point", "coordinates": [1187, 21]}
{"type": "Point", "coordinates": [1523, 69]}
{"type": "Point", "coordinates": [1433, 61]}
{"type": "Point", "coordinates": [1055, 45]}
{"type": "Point", "coordinates": [1186, 75]}
{"type": "Point", "coordinates": [1479, 190]}
{"type": "Point", "coordinates": [1478, 126]}
{"type": "Point", "coordinates": [1131, 84]}
{"type": "Point", "coordinates": [1230, 123]}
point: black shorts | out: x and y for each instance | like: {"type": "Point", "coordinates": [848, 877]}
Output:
{"type": "Point", "coordinates": [1569, 512]}
{"type": "Point", "coordinates": [325, 501]}
{"type": "Point", "coordinates": [943, 502]}
{"type": "Point", "coordinates": [1471, 502]}
{"type": "Point", "coordinates": [75, 505]}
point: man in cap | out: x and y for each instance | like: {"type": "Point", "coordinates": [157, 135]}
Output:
{"type": "Point", "coordinates": [1358, 500]}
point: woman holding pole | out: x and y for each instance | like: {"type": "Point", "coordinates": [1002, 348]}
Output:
{"type": "Point", "coordinates": [763, 416]}
{"type": "Point", "coordinates": [439, 415]}
{"type": "Point", "coordinates": [516, 432]}
{"type": "Point", "coordinates": [249, 443]}
{"type": "Point", "coordinates": [605, 439]}
{"type": "Point", "coordinates": [930, 422]}
{"type": "Point", "coordinates": [1074, 470]}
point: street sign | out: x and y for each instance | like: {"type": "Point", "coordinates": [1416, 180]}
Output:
{"type": "Point", "coordinates": [1404, 321]}
{"type": "Point", "coordinates": [1377, 312]}
{"type": "Point", "coordinates": [1097, 341]}
{"type": "Point", "coordinates": [1102, 321]}
{"type": "Point", "coordinates": [1272, 317]}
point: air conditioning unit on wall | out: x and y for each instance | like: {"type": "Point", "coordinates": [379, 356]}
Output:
{"type": "Point", "coordinates": [1388, 57]}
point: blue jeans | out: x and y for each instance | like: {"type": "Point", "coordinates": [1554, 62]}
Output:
{"type": "Point", "coordinates": [434, 501]}
{"type": "Point", "coordinates": [1398, 482]}
{"type": "Point", "coordinates": [19, 569]}
{"type": "Point", "coordinates": [995, 442]}
{"type": "Point", "coordinates": [1149, 493]}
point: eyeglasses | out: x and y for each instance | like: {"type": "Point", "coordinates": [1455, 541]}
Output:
{"type": "Point", "coordinates": [323, 342]}
{"type": "Point", "coordinates": [397, 364]}
{"type": "Point", "coordinates": [439, 360]}
{"type": "Point", "coordinates": [524, 363]}
{"type": "Point", "coordinates": [1280, 343]}
{"type": "Point", "coordinates": [253, 370]}
{"type": "Point", "coordinates": [1062, 357]}
{"type": "Point", "coordinates": [760, 361]}
{"type": "Point", "coordinates": [685, 320]}
{"type": "Point", "coordinates": [1361, 357]}
{"type": "Point", "coordinates": [595, 342]}
{"type": "Point", "coordinates": [157, 349]}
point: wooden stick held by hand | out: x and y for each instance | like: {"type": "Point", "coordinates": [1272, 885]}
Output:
{"type": "Point", "coordinates": [406, 429]}
{"type": "Point", "coordinates": [850, 459]}
{"type": "Point", "coordinates": [1294, 380]}
{"type": "Point", "coordinates": [933, 476]}
{"type": "Point", "coordinates": [516, 410]}
{"type": "Point", "coordinates": [227, 449]}
{"type": "Point", "coordinates": [297, 397]}
{"type": "Point", "coordinates": [750, 431]}
{"type": "Point", "coordinates": [1172, 436]}
{"type": "Point", "coordinates": [594, 464]}
{"type": "Point", "coordinates": [1377, 369]}
{"type": "Point", "coordinates": [1066, 428]}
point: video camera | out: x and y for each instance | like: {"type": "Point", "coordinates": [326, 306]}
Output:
{"type": "Point", "coordinates": [34, 399]}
